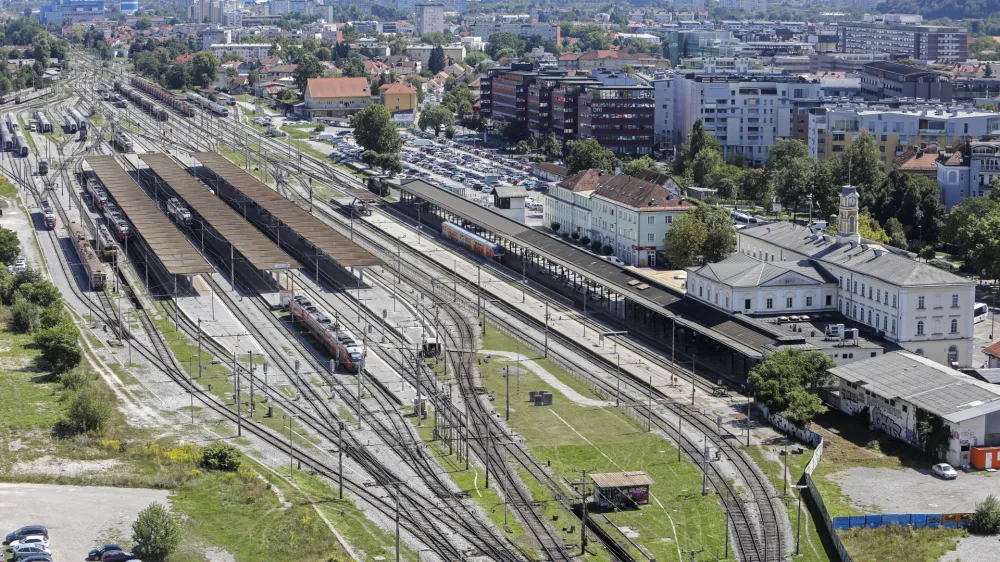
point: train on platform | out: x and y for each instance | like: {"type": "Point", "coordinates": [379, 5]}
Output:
{"type": "Point", "coordinates": [88, 257]}
{"type": "Point", "coordinates": [98, 197]}
{"type": "Point", "coordinates": [142, 102]}
{"type": "Point", "coordinates": [123, 141]}
{"type": "Point", "coordinates": [48, 215]}
{"type": "Point", "coordinates": [346, 350]}
{"type": "Point", "coordinates": [106, 246]}
{"type": "Point", "coordinates": [117, 223]}
{"type": "Point", "coordinates": [178, 212]}
{"type": "Point", "coordinates": [20, 144]}
{"type": "Point", "coordinates": [216, 108]}
{"type": "Point", "coordinates": [7, 138]}
{"type": "Point", "coordinates": [43, 122]}
{"type": "Point", "coordinates": [474, 242]}
{"type": "Point", "coordinates": [163, 96]}
{"type": "Point", "coordinates": [81, 123]}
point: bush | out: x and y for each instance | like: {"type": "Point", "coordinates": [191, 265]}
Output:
{"type": "Point", "coordinates": [565, 236]}
{"type": "Point", "coordinates": [585, 240]}
{"type": "Point", "coordinates": [60, 347]}
{"type": "Point", "coordinates": [25, 316]}
{"type": "Point", "coordinates": [607, 250]}
{"type": "Point", "coordinates": [555, 226]}
{"type": "Point", "coordinates": [986, 519]}
{"type": "Point", "coordinates": [319, 128]}
{"type": "Point", "coordinates": [595, 245]}
{"type": "Point", "coordinates": [89, 410]}
{"type": "Point", "coordinates": [75, 380]}
{"type": "Point", "coordinates": [874, 445]}
{"type": "Point", "coordinates": [575, 236]}
{"type": "Point", "coordinates": [156, 532]}
{"type": "Point", "coordinates": [221, 456]}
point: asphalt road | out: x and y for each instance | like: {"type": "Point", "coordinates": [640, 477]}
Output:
{"type": "Point", "coordinates": [78, 517]}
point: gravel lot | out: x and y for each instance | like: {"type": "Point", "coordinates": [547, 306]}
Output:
{"type": "Point", "coordinates": [974, 548]}
{"type": "Point", "coordinates": [906, 490]}
{"type": "Point", "coordinates": [78, 517]}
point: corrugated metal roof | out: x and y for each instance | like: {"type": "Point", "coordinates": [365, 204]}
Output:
{"type": "Point", "coordinates": [247, 240]}
{"type": "Point", "coordinates": [335, 245]}
{"type": "Point", "coordinates": [169, 245]}
{"type": "Point", "coordinates": [622, 479]}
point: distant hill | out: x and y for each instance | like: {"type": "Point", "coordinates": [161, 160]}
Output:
{"type": "Point", "coordinates": [954, 9]}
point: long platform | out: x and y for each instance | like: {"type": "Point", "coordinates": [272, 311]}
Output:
{"type": "Point", "coordinates": [257, 249]}
{"type": "Point", "coordinates": [317, 233]}
{"type": "Point", "coordinates": [168, 244]}
{"type": "Point", "coordinates": [745, 335]}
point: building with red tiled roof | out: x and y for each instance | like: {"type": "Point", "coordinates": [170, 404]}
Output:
{"type": "Point", "coordinates": [920, 159]}
{"type": "Point", "coordinates": [332, 99]}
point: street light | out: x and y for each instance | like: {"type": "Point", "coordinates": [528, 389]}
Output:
{"type": "Point", "coordinates": [798, 517]}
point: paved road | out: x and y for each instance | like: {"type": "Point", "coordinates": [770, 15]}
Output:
{"type": "Point", "coordinates": [78, 517]}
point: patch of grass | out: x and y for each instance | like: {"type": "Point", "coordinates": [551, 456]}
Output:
{"type": "Point", "coordinates": [27, 134]}
{"type": "Point", "coordinates": [900, 543]}
{"type": "Point", "coordinates": [813, 548]}
{"type": "Point", "coordinates": [241, 513]}
{"type": "Point", "coordinates": [8, 192]}
{"type": "Point", "coordinates": [571, 437]}
{"type": "Point", "coordinates": [98, 119]}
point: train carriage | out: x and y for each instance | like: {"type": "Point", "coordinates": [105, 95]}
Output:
{"type": "Point", "coordinates": [106, 246]}
{"type": "Point", "coordinates": [88, 258]}
{"type": "Point", "coordinates": [474, 242]}
{"type": "Point", "coordinates": [208, 104]}
{"type": "Point", "coordinates": [341, 344]}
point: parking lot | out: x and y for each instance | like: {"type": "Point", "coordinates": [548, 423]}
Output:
{"type": "Point", "coordinates": [77, 517]}
{"type": "Point", "coordinates": [906, 490]}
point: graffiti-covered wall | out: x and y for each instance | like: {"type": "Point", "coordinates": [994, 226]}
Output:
{"type": "Point", "coordinates": [894, 417]}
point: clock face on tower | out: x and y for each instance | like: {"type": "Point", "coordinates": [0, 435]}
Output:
{"type": "Point", "coordinates": [850, 202]}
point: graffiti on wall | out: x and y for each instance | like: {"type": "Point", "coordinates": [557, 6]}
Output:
{"type": "Point", "coordinates": [964, 437]}
{"type": "Point", "coordinates": [884, 416]}
{"type": "Point", "coordinates": [800, 433]}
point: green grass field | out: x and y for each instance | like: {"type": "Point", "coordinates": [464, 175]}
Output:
{"type": "Point", "coordinates": [897, 543]}
{"type": "Point", "coordinates": [571, 437]}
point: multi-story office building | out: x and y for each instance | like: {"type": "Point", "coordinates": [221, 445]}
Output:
{"type": "Point", "coordinates": [619, 117]}
{"type": "Point", "coordinates": [663, 114]}
{"type": "Point", "coordinates": [430, 17]}
{"type": "Point", "coordinates": [566, 107]}
{"type": "Point", "coordinates": [880, 80]}
{"type": "Point", "coordinates": [919, 42]}
{"type": "Point", "coordinates": [919, 307]}
{"type": "Point", "coordinates": [835, 127]}
{"type": "Point", "coordinates": [486, 28]}
{"type": "Point", "coordinates": [75, 10]}
{"type": "Point", "coordinates": [747, 113]}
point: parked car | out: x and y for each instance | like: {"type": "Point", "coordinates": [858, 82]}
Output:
{"type": "Point", "coordinates": [23, 551]}
{"type": "Point", "coordinates": [945, 471]}
{"type": "Point", "coordinates": [36, 558]}
{"type": "Point", "coordinates": [117, 556]}
{"type": "Point", "coordinates": [97, 553]}
{"type": "Point", "coordinates": [614, 260]}
{"type": "Point", "coordinates": [25, 531]}
{"type": "Point", "coordinates": [30, 539]}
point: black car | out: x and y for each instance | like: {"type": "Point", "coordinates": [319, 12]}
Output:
{"type": "Point", "coordinates": [117, 556]}
{"type": "Point", "coordinates": [38, 558]}
{"type": "Point", "coordinates": [25, 531]}
{"type": "Point", "coordinates": [98, 552]}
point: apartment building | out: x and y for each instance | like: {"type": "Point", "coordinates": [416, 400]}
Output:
{"type": "Point", "coordinates": [422, 53]}
{"type": "Point", "coordinates": [750, 6]}
{"type": "Point", "coordinates": [925, 310]}
{"type": "Point", "coordinates": [835, 127]}
{"type": "Point", "coordinates": [746, 112]}
{"type": "Point", "coordinates": [607, 59]}
{"type": "Point", "coordinates": [485, 28]}
{"type": "Point", "coordinates": [919, 42]}
{"type": "Point", "coordinates": [246, 51]}
{"type": "Point", "coordinates": [430, 18]}
{"type": "Point", "coordinates": [884, 79]}
{"type": "Point", "coordinates": [621, 118]}
{"type": "Point", "coordinates": [967, 169]}
{"type": "Point", "coordinates": [629, 214]}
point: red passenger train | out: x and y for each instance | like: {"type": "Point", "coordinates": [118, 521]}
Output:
{"type": "Point", "coordinates": [341, 344]}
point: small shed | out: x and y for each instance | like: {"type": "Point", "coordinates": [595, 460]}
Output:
{"type": "Point", "coordinates": [622, 490]}
{"type": "Point", "coordinates": [508, 200]}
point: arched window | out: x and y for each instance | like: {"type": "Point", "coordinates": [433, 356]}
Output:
{"type": "Point", "coordinates": [850, 225]}
{"type": "Point", "coordinates": [954, 326]}
{"type": "Point", "coordinates": [920, 328]}
{"type": "Point", "coordinates": [952, 355]}
{"type": "Point", "coordinates": [952, 176]}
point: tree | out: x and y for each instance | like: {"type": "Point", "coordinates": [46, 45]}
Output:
{"type": "Point", "coordinates": [10, 248]}
{"type": "Point", "coordinates": [551, 146]}
{"type": "Point", "coordinates": [157, 531]}
{"type": "Point", "coordinates": [60, 346]}
{"type": "Point", "coordinates": [374, 130]}
{"type": "Point", "coordinates": [178, 77]}
{"type": "Point", "coordinates": [587, 154]}
{"type": "Point", "coordinates": [783, 153]}
{"type": "Point", "coordinates": [928, 253]}
{"type": "Point", "coordinates": [705, 163]}
{"type": "Point", "coordinates": [437, 118]}
{"type": "Point", "coordinates": [720, 238]}
{"type": "Point", "coordinates": [505, 41]}
{"type": "Point", "coordinates": [221, 456]}
{"type": "Point", "coordinates": [755, 187]}
{"type": "Point", "coordinates": [204, 68]}
{"type": "Point", "coordinates": [870, 229]}
{"type": "Point", "coordinates": [89, 410]}
{"type": "Point", "coordinates": [522, 147]}
{"type": "Point", "coordinates": [780, 383]}
{"type": "Point", "coordinates": [697, 140]}
{"type": "Point", "coordinates": [682, 243]}
{"type": "Point", "coordinates": [638, 165]}
{"type": "Point", "coordinates": [389, 163]}
{"type": "Point", "coordinates": [350, 34]}
{"type": "Point", "coordinates": [436, 62]}
{"type": "Point", "coordinates": [792, 183]}
{"type": "Point", "coordinates": [986, 518]}
{"type": "Point", "coordinates": [860, 165]}
{"type": "Point", "coordinates": [897, 235]}
{"type": "Point", "coordinates": [309, 67]}
{"type": "Point", "coordinates": [418, 85]}
{"type": "Point", "coordinates": [145, 22]}
{"type": "Point", "coordinates": [354, 67]}
{"type": "Point", "coordinates": [434, 38]}
{"type": "Point", "coordinates": [475, 57]}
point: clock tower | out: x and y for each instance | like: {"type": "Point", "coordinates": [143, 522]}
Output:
{"type": "Point", "coordinates": [848, 228]}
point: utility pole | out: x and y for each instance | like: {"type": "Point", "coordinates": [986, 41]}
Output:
{"type": "Point", "coordinates": [649, 407]}
{"type": "Point", "coordinates": [340, 460]}
{"type": "Point", "coordinates": [680, 420]}
{"type": "Point", "coordinates": [199, 344]}
{"type": "Point", "coordinates": [546, 354]}
{"type": "Point", "coordinates": [704, 468]}
{"type": "Point", "coordinates": [694, 361]}
{"type": "Point", "coordinates": [584, 503]}
{"type": "Point", "coordinates": [291, 470]}
{"type": "Point", "coordinates": [397, 521]}
{"type": "Point", "coordinates": [236, 394]}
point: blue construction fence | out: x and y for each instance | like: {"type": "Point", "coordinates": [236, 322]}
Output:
{"type": "Point", "coordinates": [916, 520]}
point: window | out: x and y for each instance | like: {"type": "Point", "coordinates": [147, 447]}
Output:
{"type": "Point", "coordinates": [869, 292]}
{"type": "Point", "coordinates": [885, 323]}
{"type": "Point", "coordinates": [893, 326]}
{"type": "Point", "coordinates": [862, 289]}
{"type": "Point", "coordinates": [954, 326]}
{"type": "Point", "coordinates": [788, 302]}
{"type": "Point", "coordinates": [954, 301]}
{"type": "Point", "coordinates": [920, 328]}
{"type": "Point", "coordinates": [650, 219]}
{"type": "Point", "coordinates": [855, 311]}
{"type": "Point", "coordinates": [876, 320]}
{"type": "Point", "coordinates": [809, 301]}
{"type": "Point", "coordinates": [894, 301]}
{"type": "Point", "coordinates": [904, 408]}
{"type": "Point", "coordinates": [952, 355]}
{"type": "Point", "coordinates": [670, 219]}
{"type": "Point", "coordinates": [770, 303]}
{"type": "Point", "coordinates": [878, 294]}
{"type": "Point", "coordinates": [869, 317]}
{"type": "Point", "coordinates": [841, 282]}
{"type": "Point", "coordinates": [649, 237]}
{"type": "Point", "coordinates": [700, 292]}
{"type": "Point", "coordinates": [920, 302]}
{"type": "Point", "coordinates": [855, 287]}
{"type": "Point", "coordinates": [829, 300]}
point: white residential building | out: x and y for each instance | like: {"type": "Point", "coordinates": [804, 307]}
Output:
{"type": "Point", "coordinates": [246, 51]}
{"type": "Point", "coordinates": [545, 30]}
{"type": "Point", "coordinates": [422, 53]}
{"type": "Point", "coordinates": [430, 18]}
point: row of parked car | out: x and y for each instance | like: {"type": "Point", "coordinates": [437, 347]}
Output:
{"type": "Point", "coordinates": [31, 544]}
